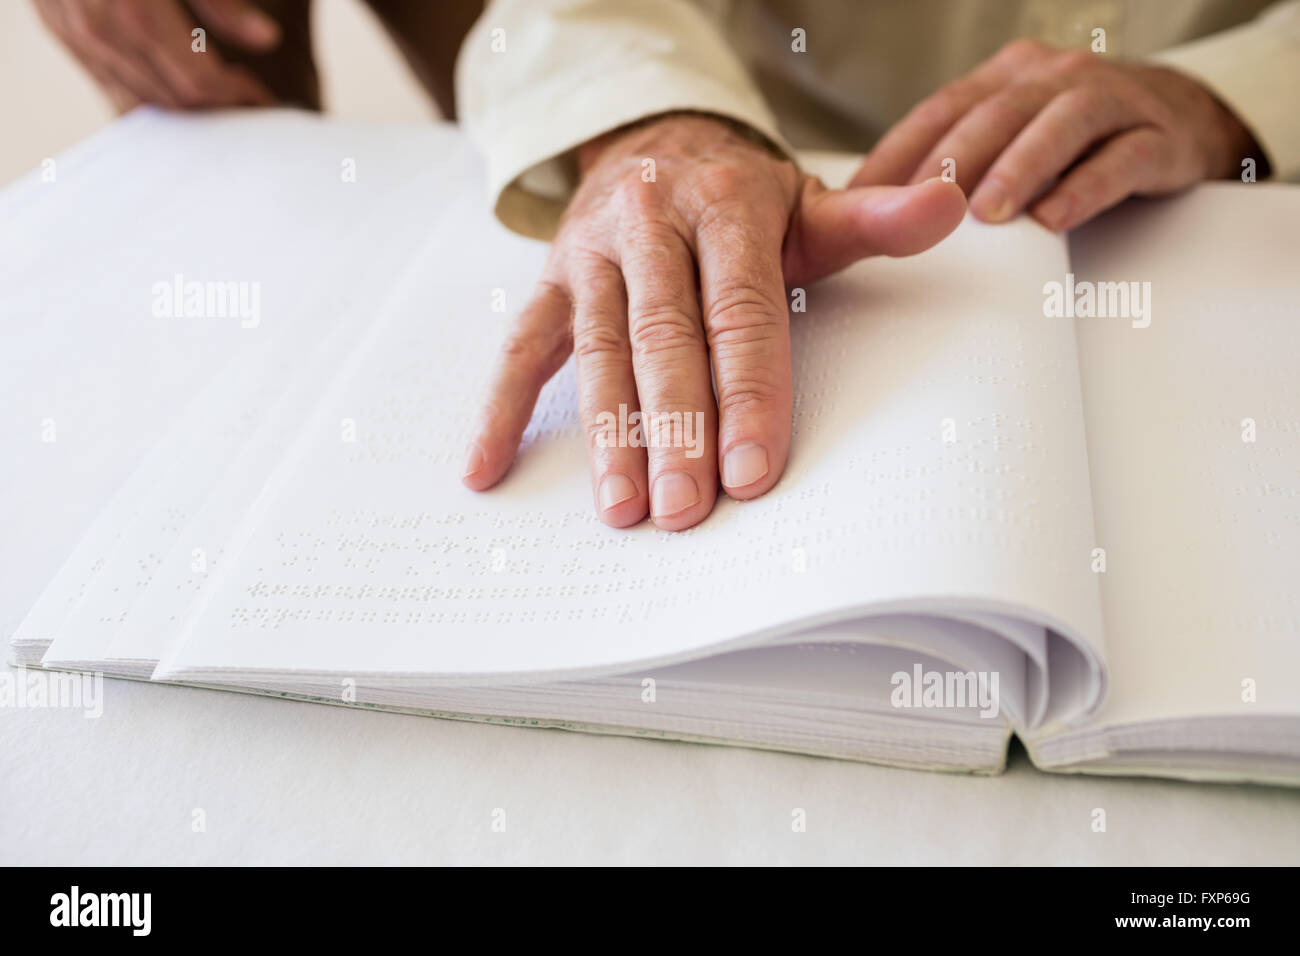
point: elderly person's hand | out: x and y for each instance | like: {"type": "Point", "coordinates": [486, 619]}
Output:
{"type": "Point", "coordinates": [668, 280]}
{"type": "Point", "coordinates": [1064, 133]}
{"type": "Point", "coordinates": [142, 51]}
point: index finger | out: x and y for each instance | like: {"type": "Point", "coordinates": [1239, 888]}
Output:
{"type": "Point", "coordinates": [896, 159]}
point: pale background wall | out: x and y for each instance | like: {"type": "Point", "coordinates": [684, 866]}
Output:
{"type": "Point", "coordinates": [47, 102]}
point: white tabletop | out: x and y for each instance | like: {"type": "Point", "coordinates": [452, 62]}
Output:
{"type": "Point", "coordinates": [287, 782]}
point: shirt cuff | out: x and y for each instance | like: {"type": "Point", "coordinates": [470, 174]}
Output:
{"type": "Point", "coordinates": [561, 84]}
{"type": "Point", "coordinates": [1251, 68]}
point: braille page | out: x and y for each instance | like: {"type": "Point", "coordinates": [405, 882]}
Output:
{"type": "Point", "coordinates": [1194, 439]}
{"type": "Point", "coordinates": [149, 560]}
{"type": "Point", "coordinates": [75, 421]}
{"type": "Point", "coordinates": [938, 465]}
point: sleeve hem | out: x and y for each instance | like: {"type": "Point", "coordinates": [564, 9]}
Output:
{"type": "Point", "coordinates": [531, 176]}
{"type": "Point", "coordinates": [1247, 68]}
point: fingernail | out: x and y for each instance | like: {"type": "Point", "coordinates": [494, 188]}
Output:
{"type": "Point", "coordinates": [744, 465]}
{"type": "Point", "coordinates": [994, 205]}
{"type": "Point", "coordinates": [1055, 210]}
{"type": "Point", "coordinates": [673, 491]}
{"type": "Point", "coordinates": [474, 460]}
{"type": "Point", "coordinates": [614, 490]}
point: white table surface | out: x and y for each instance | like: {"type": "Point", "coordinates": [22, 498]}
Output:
{"type": "Point", "coordinates": [288, 782]}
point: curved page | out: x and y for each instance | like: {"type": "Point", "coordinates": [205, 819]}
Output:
{"type": "Point", "coordinates": [938, 466]}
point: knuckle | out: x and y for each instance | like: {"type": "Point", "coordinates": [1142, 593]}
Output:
{"type": "Point", "coordinates": [652, 239]}
{"type": "Point", "coordinates": [748, 392]}
{"type": "Point", "coordinates": [663, 329]}
{"type": "Point", "coordinates": [745, 221]}
{"type": "Point", "coordinates": [528, 346]}
{"type": "Point", "coordinates": [523, 355]}
{"type": "Point", "coordinates": [1084, 103]}
{"type": "Point", "coordinates": [743, 312]}
{"type": "Point", "coordinates": [1150, 157]}
{"type": "Point", "coordinates": [598, 341]}
{"type": "Point", "coordinates": [1147, 104]}
{"type": "Point", "coordinates": [1008, 106]}
{"type": "Point", "coordinates": [1090, 185]}
{"type": "Point", "coordinates": [586, 270]}
{"type": "Point", "coordinates": [940, 107]}
{"type": "Point", "coordinates": [548, 293]}
{"type": "Point", "coordinates": [517, 347]}
{"type": "Point", "coordinates": [752, 346]}
{"type": "Point", "coordinates": [1140, 150]}
{"type": "Point", "coordinates": [1023, 50]}
{"type": "Point", "coordinates": [1069, 62]}
{"type": "Point", "coordinates": [639, 201]}
{"type": "Point", "coordinates": [723, 182]}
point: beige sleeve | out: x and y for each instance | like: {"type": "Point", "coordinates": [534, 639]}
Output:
{"type": "Point", "coordinates": [1255, 70]}
{"type": "Point", "coordinates": [537, 78]}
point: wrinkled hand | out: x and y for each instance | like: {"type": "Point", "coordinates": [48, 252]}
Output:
{"type": "Point", "coordinates": [1034, 113]}
{"type": "Point", "coordinates": [140, 51]}
{"type": "Point", "coordinates": [665, 288]}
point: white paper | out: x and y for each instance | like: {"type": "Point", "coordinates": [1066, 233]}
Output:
{"type": "Point", "coordinates": [1201, 527]}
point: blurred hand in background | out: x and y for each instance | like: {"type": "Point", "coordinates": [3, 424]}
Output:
{"type": "Point", "coordinates": [147, 51]}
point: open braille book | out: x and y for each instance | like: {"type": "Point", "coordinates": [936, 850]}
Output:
{"type": "Point", "coordinates": [1037, 487]}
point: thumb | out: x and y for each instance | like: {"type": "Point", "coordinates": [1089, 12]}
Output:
{"type": "Point", "coordinates": [239, 22]}
{"type": "Point", "coordinates": [833, 228]}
